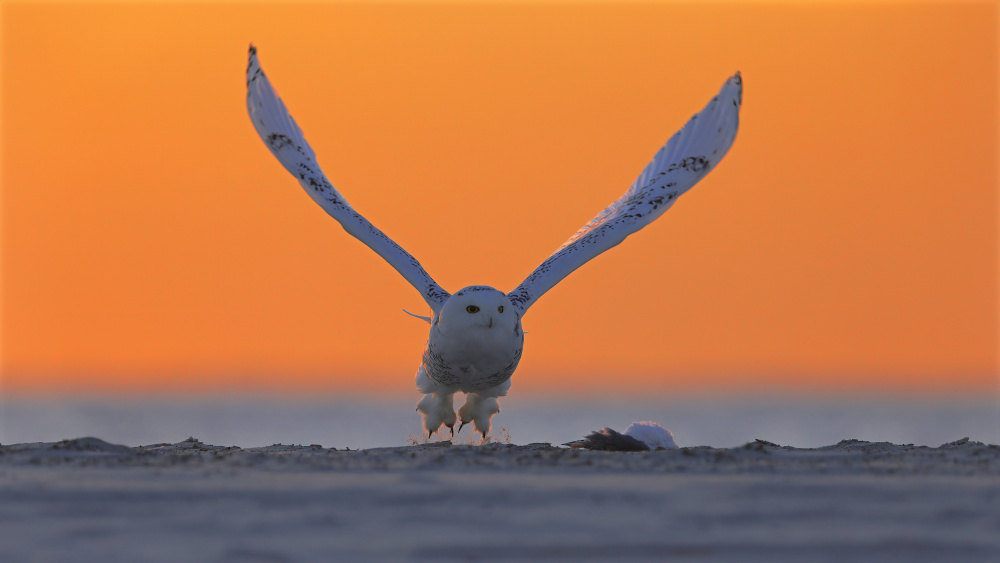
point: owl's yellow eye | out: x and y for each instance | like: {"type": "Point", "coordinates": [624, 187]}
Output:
{"type": "Point", "coordinates": [500, 309]}
{"type": "Point", "coordinates": [472, 309]}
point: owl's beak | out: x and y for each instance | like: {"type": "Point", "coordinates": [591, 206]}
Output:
{"type": "Point", "coordinates": [491, 323]}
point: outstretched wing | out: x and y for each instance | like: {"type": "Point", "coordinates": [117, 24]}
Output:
{"type": "Point", "coordinates": [282, 135]}
{"type": "Point", "coordinates": [686, 158]}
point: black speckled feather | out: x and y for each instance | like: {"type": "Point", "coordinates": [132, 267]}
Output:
{"type": "Point", "coordinates": [686, 158]}
{"type": "Point", "coordinates": [283, 137]}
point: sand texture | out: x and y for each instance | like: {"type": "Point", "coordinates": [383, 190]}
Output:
{"type": "Point", "coordinates": [87, 500]}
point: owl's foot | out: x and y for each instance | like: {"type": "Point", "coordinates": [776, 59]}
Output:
{"type": "Point", "coordinates": [437, 409]}
{"type": "Point", "coordinates": [478, 410]}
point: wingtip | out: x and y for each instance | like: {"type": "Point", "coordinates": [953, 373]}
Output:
{"type": "Point", "coordinates": [253, 66]}
{"type": "Point", "coordinates": [736, 81]}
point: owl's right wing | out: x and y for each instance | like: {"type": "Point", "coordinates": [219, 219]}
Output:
{"type": "Point", "coordinates": [285, 140]}
{"type": "Point", "coordinates": [686, 158]}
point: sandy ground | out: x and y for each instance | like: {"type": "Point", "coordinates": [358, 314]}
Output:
{"type": "Point", "coordinates": [87, 500]}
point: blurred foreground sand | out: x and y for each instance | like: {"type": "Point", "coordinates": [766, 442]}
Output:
{"type": "Point", "coordinates": [88, 500]}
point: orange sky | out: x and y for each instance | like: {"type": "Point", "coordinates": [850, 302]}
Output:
{"type": "Point", "coordinates": [847, 242]}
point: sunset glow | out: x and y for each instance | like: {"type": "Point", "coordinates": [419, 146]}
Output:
{"type": "Point", "coordinates": [151, 243]}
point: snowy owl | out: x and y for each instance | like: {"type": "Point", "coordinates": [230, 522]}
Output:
{"type": "Point", "coordinates": [476, 337]}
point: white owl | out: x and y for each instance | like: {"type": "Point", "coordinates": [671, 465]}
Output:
{"type": "Point", "coordinates": [476, 338]}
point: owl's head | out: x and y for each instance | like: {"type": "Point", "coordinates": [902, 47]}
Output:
{"type": "Point", "coordinates": [478, 306]}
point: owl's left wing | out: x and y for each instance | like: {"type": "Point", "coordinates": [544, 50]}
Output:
{"type": "Point", "coordinates": [285, 140]}
{"type": "Point", "coordinates": [686, 158]}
